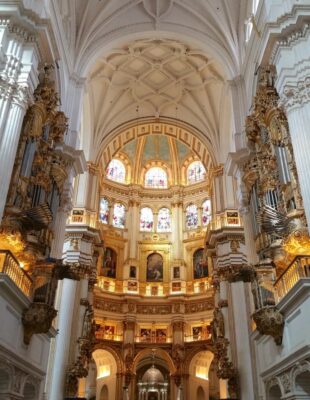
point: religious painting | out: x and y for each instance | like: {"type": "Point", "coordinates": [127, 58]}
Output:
{"type": "Point", "coordinates": [161, 335]}
{"type": "Point", "coordinates": [109, 263]}
{"type": "Point", "coordinates": [232, 217]}
{"type": "Point", "coordinates": [176, 272]}
{"type": "Point", "coordinates": [77, 215]}
{"type": "Point", "coordinates": [176, 286]}
{"type": "Point", "coordinates": [132, 272]}
{"type": "Point", "coordinates": [145, 335]}
{"type": "Point", "coordinates": [154, 268]}
{"type": "Point", "coordinates": [197, 332]}
{"type": "Point", "coordinates": [109, 331]}
{"type": "Point", "coordinates": [99, 331]}
{"type": "Point", "coordinates": [132, 286]}
{"type": "Point", "coordinates": [154, 290]}
{"type": "Point", "coordinates": [200, 265]}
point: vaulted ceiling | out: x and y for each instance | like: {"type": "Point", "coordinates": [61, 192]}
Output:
{"type": "Point", "coordinates": [154, 59]}
{"type": "Point", "coordinates": [155, 78]}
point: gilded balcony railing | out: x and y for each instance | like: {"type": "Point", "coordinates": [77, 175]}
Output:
{"type": "Point", "coordinates": [226, 219]}
{"type": "Point", "coordinates": [10, 266]}
{"type": "Point", "coordinates": [298, 268]}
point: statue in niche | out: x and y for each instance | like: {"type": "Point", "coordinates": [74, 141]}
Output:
{"type": "Point", "coordinates": [109, 263]}
{"type": "Point", "coordinates": [154, 269]}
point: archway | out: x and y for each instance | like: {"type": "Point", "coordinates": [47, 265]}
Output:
{"type": "Point", "coordinates": [29, 391]}
{"type": "Point", "coordinates": [104, 394]}
{"type": "Point", "coordinates": [274, 393]}
{"type": "Point", "coordinates": [4, 381]}
{"type": "Point", "coordinates": [202, 377]}
{"type": "Point", "coordinates": [152, 378]}
{"type": "Point", "coordinates": [302, 383]}
{"type": "Point", "coordinates": [200, 394]}
{"type": "Point", "coordinates": [106, 380]}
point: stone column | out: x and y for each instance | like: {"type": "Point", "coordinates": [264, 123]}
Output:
{"type": "Point", "coordinates": [10, 138]}
{"type": "Point", "coordinates": [62, 347]}
{"type": "Point", "coordinates": [18, 77]}
{"type": "Point", "coordinates": [240, 310]}
{"type": "Point", "coordinates": [224, 394]}
{"type": "Point", "coordinates": [177, 228]}
{"type": "Point", "coordinates": [135, 223]}
{"type": "Point", "coordinates": [246, 216]}
{"type": "Point", "coordinates": [296, 101]}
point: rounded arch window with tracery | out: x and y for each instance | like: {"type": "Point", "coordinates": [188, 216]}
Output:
{"type": "Point", "coordinates": [191, 216]}
{"type": "Point", "coordinates": [116, 171]}
{"type": "Point", "coordinates": [156, 178]}
{"type": "Point", "coordinates": [164, 220]}
{"type": "Point", "coordinates": [119, 213]}
{"type": "Point", "coordinates": [196, 172]}
{"type": "Point", "coordinates": [206, 212]}
{"type": "Point", "coordinates": [146, 219]}
{"type": "Point", "coordinates": [104, 210]}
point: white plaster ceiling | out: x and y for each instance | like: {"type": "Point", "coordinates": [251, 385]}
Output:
{"type": "Point", "coordinates": [155, 78]}
{"type": "Point", "coordinates": [154, 58]}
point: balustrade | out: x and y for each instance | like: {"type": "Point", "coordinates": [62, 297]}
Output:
{"type": "Point", "coordinates": [298, 268]}
{"type": "Point", "coordinates": [10, 266]}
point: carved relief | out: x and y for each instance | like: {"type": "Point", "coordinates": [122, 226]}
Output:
{"type": "Point", "coordinates": [269, 321]}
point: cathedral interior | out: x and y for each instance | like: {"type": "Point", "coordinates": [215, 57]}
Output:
{"type": "Point", "coordinates": [154, 199]}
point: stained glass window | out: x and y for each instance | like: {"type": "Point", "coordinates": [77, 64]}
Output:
{"type": "Point", "coordinates": [196, 172]}
{"type": "Point", "coordinates": [116, 171]}
{"type": "Point", "coordinates": [191, 216]}
{"type": "Point", "coordinates": [206, 212]}
{"type": "Point", "coordinates": [146, 219]}
{"type": "Point", "coordinates": [104, 211]}
{"type": "Point", "coordinates": [119, 215]}
{"type": "Point", "coordinates": [164, 220]}
{"type": "Point", "coordinates": [156, 178]}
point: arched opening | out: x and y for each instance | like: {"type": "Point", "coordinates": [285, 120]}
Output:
{"type": "Point", "coordinates": [104, 394]}
{"type": "Point", "coordinates": [152, 378]}
{"type": "Point", "coordinates": [302, 383]}
{"type": "Point", "coordinates": [4, 381]}
{"type": "Point", "coordinates": [106, 374]}
{"type": "Point", "coordinates": [274, 393]}
{"type": "Point", "coordinates": [200, 394]}
{"type": "Point", "coordinates": [202, 377]}
{"type": "Point", "coordinates": [29, 391]}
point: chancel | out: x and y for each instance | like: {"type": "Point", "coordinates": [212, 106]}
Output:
{"type": "Point", "coordinates": [154, 199]}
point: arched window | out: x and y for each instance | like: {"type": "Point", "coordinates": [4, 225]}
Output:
{"type": "Point", "coordinates": [206, 212]}
{"type": "Point", "coordinates": [191, 216]}
{"type": "Point", "coordinates": [164, 220]}
{"type": "Point", "coordinates": [116, 171]}
{"type": "Point", "coordinates": [119, 215]}
{"type": "Point", "coordinates": [146, 219]}
{"type": "Point", "coordinates": [104, 211]}
{"type": "Point", "coordinates": [196, 172]}
{"type": "Point", "coordinates": [156, 178]}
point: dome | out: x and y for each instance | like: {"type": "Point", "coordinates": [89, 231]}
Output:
{"type": "Point", "coordinates": [153, 375]}
{"type": "Point", "coordinates": [155, 161]}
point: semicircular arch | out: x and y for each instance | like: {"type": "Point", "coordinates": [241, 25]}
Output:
{"type": "Point", "coordinates": [188, 135]}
